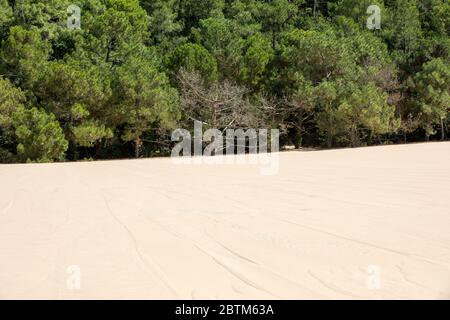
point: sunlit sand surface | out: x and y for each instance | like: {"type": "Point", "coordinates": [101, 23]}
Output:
{"type": "Point", "coordinates": [365, 223]}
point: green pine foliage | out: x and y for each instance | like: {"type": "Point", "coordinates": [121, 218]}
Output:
{"type": "Point", "coordinates": [136, 70]}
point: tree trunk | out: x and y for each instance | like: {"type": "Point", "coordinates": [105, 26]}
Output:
{"type": "Point", "coordinates": [354, 139]}
{"type": "Point", "coordinates": [299, 141]}
{"type": "Point", "coordinates": [442, 129]}
{"type": "Point", "coordinates": [108, 52]}
{"type": "Point", "coordinates": [137, 147]}
{"type": "Point", "coordinates": [214, 115]}
{"type": "Point", "coordinates": [299, 138]}
{"type": "Point", "coordinates": [329, 140]}
{"type": "Point", "coordinates": [98, 147]}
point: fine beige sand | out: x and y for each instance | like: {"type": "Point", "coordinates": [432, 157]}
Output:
{"type": "Point", "coordinates": [365, 223]}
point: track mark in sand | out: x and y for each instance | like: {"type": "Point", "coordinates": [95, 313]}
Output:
{"type": "Point", "coordinates": [212, 256]}
{"type": "Point", "coordinates": [217, 258]}
{"type": "Point", "coordinates": [11, 202]}
{"type": "Point", "coordinates": [230, 250]}
{"type": "Point", "coordinates": [403, 273]}
{"type": "Point", "coordinates": [332, 287]}
{"type": "Point", "coordinates": [7, 208]}
{"type": "Point", "coordinates": [166, 229]}
{"type": "Point", "coordinates": [406, 254]}
{"type": "Point", "coordinates": [235, 273]}
{"type": "Point", "coordinates": [287, 284]}
{"type": "Point", "coordinates": [235, 289]}
{"type": "Point", "coordinates": [142, 256]}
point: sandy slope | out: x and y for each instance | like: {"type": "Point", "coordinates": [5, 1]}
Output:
{"type": "Point", "coordinates": [362, 223]}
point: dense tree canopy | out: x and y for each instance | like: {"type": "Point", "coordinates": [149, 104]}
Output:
{"type": "Point", "coordinates": [135, 70]}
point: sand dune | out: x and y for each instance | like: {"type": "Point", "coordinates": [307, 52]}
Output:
{"type": "Point", "coordinates": [364, 223]}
